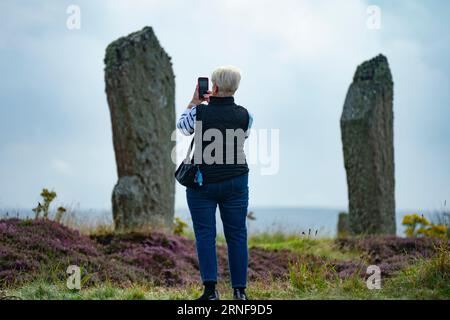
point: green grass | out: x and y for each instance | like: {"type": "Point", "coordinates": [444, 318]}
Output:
{"type": "Point", "coordinates": [323, 247]}
{"type": "Point", "coordinates": [425, 279]}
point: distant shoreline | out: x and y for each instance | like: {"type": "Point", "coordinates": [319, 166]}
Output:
{"type": "Point", "coordinates": [270, 219]}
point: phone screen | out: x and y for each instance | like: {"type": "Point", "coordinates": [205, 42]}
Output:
{"type": "Point", "coordinates": [202, 86]}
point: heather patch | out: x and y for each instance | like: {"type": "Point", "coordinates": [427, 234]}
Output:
{"type": "Point", "coordinates": [31, 249]}
{"type": "Point", "coordinates": [43, 249]}
{"type": "Point", "coordinates": [390, 253]}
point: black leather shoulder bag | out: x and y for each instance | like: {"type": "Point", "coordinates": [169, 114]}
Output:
{"type": "Point", "coordinates": [188, 174]}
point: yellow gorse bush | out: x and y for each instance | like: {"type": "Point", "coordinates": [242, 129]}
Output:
{"type": "Point", "coordinates": [436, 230]}
{"type": "Point", "coordinates": [419, 226]}
{"type": "Point", "coordinates": [411, 219]}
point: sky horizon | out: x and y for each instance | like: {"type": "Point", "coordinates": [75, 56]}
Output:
{"type": "Point", "coordinates": [297, 60]}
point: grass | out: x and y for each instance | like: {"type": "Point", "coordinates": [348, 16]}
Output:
{"type": "Point", "coordinates": [421, 281]}
{"type": "Point", "coordinates": [323, 247]}
{"type": "Point", "coordinates": [428, 278]}
{"type": "Point", "coordinates": [311, 273]}
{"type": "Point", "coordinates": [278, 240]}
{"type": "Point", "coordinates": [424, 279]}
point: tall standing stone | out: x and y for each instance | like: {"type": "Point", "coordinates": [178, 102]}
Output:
{"type": "Point", "coordinates": [367, 137]}
{"type": "Point", "coordinates": [343, 228]}
{"type": "Point", "coordinates": [140, 88]}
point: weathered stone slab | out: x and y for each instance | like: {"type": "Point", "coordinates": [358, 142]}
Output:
{"type": "Point", "coordinates": [140, 87]}
{"type": "Point", "coordinates": [343, 228]}
{"type": "Point", "coordinates": [368, 145]}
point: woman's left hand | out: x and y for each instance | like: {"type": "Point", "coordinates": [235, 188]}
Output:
{"type": "Point", "coordinates": [195, 98]}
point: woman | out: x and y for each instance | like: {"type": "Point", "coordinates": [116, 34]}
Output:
{"type": "Point", "coordinates": [220, 129]}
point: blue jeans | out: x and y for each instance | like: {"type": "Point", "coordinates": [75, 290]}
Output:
{"type": "Point", "coordinates": [232, 198]}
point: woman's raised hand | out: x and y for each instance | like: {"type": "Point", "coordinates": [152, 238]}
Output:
{"type": "Point", "coordinates": [197, 100]}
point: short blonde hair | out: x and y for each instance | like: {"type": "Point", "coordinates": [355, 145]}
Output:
{"type": "Point", "coordinates": [227, 78]}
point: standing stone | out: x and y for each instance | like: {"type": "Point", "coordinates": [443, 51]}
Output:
{"type": "Point", "coordinates": [367, 137]}
{"type": "Point", "coordinates": [140, 88]}
{"type": "Point", "coordinates": [343, 228]}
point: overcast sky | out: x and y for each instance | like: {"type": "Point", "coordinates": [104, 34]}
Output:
{"type": "Point", "coordinates": [297, 60]}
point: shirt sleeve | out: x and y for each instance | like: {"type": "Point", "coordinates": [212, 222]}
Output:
{"type": "Point", "coordinates": [186, 123]}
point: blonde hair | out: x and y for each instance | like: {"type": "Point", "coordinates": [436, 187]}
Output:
{"type": "Point", "coordinates": [227, 78]}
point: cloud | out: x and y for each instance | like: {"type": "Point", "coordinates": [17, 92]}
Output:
{"type": "Point", "coordinates": [62, 167]}
{"type": "Point", "coordinates": [297, 57]}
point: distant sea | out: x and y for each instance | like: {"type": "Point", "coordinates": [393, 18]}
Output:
{"type": "Point", "coordinates": [292, 220]}
{"type": "Point", "coordinates": [267, 219]}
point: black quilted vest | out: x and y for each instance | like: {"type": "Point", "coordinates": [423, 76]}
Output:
{"type": "Point", "coordinates": [223, 158]}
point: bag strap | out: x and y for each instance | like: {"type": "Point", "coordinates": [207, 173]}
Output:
{"type": "Point", "coordinates": [198, 117]}
{"type": "Point", "coordinates": [187, 159]}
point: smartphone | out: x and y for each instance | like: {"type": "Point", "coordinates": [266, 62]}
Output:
{"type": "Point", "coordinates": [203, 84]}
